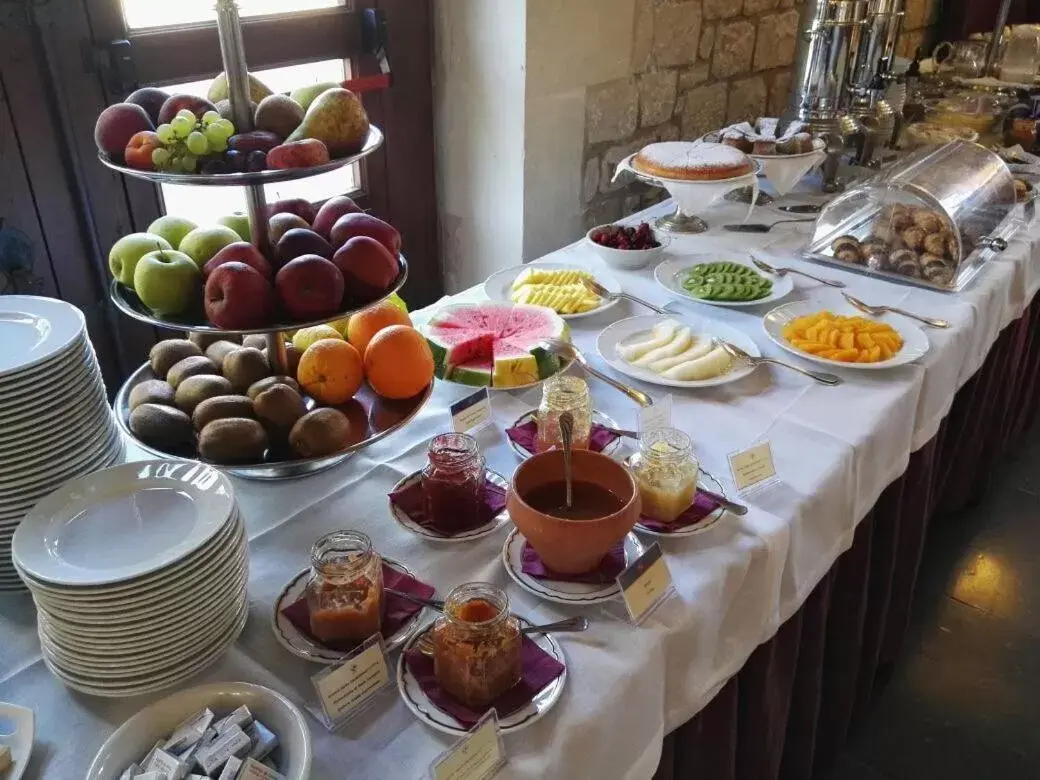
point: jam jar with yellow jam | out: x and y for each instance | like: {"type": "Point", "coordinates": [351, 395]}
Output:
{"type": "Point", "coordinates": [666, 472]}
{"type": "Point", "coordinates": [345, 591]}
{"type": "Point", "coordinates": [476, 644]}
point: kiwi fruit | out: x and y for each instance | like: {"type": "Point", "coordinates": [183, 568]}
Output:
{"type": "Point", "coordinates": [233, 440]}
{"type": "Point", "coordinates": [151, 391]}
{"type": "Point", "coordinates": [161, 426]}
{"type": "Point", "coordinates": [245, 366]}
{"type": "Point", "coordinates": [255, 340]}
{"type": "Point", "coordinates": [190, 366]}
{"type": "Point", "coordinates": [166, 354]}
{"type": "Point", "coordinates": [320, 432]}
{"type": "Point", "coordinates": [278, 408]}
{"type": "Point", "coordinates": [221, 406]}
{"type": "Point", "coordinates": [268, 382]}
{"type": "Point", "coordinates": [195, 389]}
{"type": "Point", "coordinates": [219, 350]}
{"type": "Point", "coordinates": [203, 340]}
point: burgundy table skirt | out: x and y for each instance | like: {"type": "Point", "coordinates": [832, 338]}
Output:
{"type": "Point", "coordinates": [789, 710]}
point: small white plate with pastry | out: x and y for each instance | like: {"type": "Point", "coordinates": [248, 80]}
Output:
{"type": "Point", "coordinates": [555, 285]}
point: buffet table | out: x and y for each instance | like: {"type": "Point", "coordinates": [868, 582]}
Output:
{"type": "Point", "coordinates": [862, 468]}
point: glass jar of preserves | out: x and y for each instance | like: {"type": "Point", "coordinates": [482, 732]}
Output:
{"type": "Point", "coordinates": [345, 591]}
{"type": "Point", "coordinates": [666, 471]}
{"type": "Point", "coordinates": [476, 644]}
{"type": "Point", "coordinates": [564, 394]}
{"type": "Point", "coordinates": [453, 482]}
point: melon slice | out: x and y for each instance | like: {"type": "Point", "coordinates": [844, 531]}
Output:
{"type": "Point", "coordinates": [476, 373]}
{"type": "Point", "coordinates": [514, 366]}
{"type": "Point", "coordinates": [453, 346]}
{"type": "Point", "coordinates": [548, 364]}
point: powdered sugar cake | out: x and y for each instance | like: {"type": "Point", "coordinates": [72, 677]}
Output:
{"type": "Point", "coordinates": [685, 161]}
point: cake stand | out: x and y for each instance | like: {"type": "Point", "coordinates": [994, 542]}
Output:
{"type": "Point", "coordinates": [381, 417]}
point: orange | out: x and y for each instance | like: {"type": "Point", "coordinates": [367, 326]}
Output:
{"type": "Point", "coordinates": [398, 362]}
{"type": "Point", "coordinates": [330, 371]}
{"type": "Point", "coordinates": [368, 322]}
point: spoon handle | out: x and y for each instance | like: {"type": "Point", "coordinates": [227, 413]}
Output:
{"type": "Point", "coordinates": [651, 306]}
{"type": "Point", "coordinates": [929, 321]}
{"type": "Point", "coordinates": [821, 280]}
{"type": "Point", "coordinates": [560, 626]}
{"type": "Point", "coordinates": [638, 396]}
{"type": "Point", "coordinates": [436, 604]}
{"type": "Point", "coordinates": [566, 433]}
{"type": "Point", "coordinates": [819, 376]}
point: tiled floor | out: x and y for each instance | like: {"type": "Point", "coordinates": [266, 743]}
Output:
{"type": "Point", "coordinates": [964, 700]}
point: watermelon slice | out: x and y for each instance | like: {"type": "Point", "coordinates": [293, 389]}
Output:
{"type": "Point", "coordinates": [453, 346]}
{"type": "Point", "coordinates": [514, 366]}
{"type": "Point", "coordinates": [476, 372]}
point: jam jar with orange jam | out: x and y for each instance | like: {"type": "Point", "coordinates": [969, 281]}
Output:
{"type": "Point", "coordinates": [345, 591]}
{"type": "Point", "coordinates": [453, 482]}
{"type": "Point", "coordinates": [476, 644]}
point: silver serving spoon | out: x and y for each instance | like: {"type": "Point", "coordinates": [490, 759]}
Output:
{"type": "Point", "coordinates": [739, 354]}
{"type": "Point", "coordinates": [567, 351]}
{"type": "Point", "coordinates": [424, 644]}
{"type": "Point", "coordinates": [759, 227]}
{"type": "Point", "coordinates": [761, 265]}
{"type": "Point", "coordinates": [876, 311]}
{"type": "Point", "coordinates": [801, 208]}
{"type": "Point", "coordinates": [567, 434]}
{"type": "Point", "coordinates": [598, 289]}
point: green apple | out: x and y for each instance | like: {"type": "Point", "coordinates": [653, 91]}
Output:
{"type": "Point", "coordinates": [238, 222]}
{"type": "Point", "coordinates": [128, 251]}
{"type": "Point", "coordinates": [204, 242]}
{"type": "Point", "coordinates": [172, 228]}
{"type": "Point", "coordinates": [168, 281]}
{"type": "Point", "coordinates": [305, 95]}
{"type": "Point", "coordinates": [397, 301]}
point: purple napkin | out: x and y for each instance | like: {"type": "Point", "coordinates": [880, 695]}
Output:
{"type": "Point", "coordinates": [538, 669]}
{"type": "Point", "coordinates": [526, 437]}
{"type": "Point", "coordinates": [396, 610]}
{"type": "Point", "coordinates": [609, 568]}
{"type": "Point", "coordinates": [703, 505]}
{"type": "Point", "coordinates": [410, 501]}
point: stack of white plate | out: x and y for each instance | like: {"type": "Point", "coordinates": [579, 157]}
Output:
{"type": "Point", "coordinates": [139, 575]}
{"type": "Point", "coordinates": [55, 423]}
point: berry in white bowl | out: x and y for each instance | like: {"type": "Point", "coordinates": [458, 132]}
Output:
{"type": "Point", "coordinates": [626, 247]}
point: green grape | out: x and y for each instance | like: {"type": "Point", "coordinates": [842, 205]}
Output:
{"type": "Point", "coordinates": [182, 126]}
{"type": "Point", "coordinates": [165, 133]}
{"type": "Point", "coordinates": [188, 163]}
{"type": "Point", "coordinates": [224, 127]}
{"type": "Point", "coordinates": [187, 114]}
{"type": "Point", "coordinates": [220, 145]}
{"type": "Point", "coordinates": [209, 118]}
{"type": "Point", "coordinates": [215, 136]}
{"type": "Point", "coordinates": [160, 157]}
{"type": "Point", "coordinates": [196, 143]}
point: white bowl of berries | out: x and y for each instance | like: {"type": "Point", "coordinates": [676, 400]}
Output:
{"type": "Point", "coordinates": [622, 246]}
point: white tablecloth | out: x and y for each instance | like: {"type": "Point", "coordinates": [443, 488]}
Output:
{"type": "Point", "coordinates": [835, 448]}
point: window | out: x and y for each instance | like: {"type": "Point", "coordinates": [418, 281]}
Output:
{"type": "Point", "coordinates": [142, 14]}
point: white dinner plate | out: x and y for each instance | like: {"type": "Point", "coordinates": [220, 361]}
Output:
{"type": "Point", "coordinates": [299, 644]}
{"type": "Point", "coordinates": [33, 329]}
{"type": "Point", "coordinates": [670, 274]}
{"type": "Point", "coordinates": [636, 328]}
{"type": "Point", "coordinates": [561, 592]}
{"type": "Point", "coordinates": [159, 511]}
{"type": "Point", "coordinates": [49, 406]}
{"type": "Point", "coordinates": [434, 717]}
{"type": "Point", "coordinates": [499, 286]}
{"type": "Point", "coordinates": [63, 465]}
{"type": "Point", "coordinates": [91, 435]}
{"type": "Point", "coordinates": [915, 342]}
{"type": "Point", "coordinates": [75, 360]}
{"type": "Point", "coordinates": [22, 726]}
{"type": "Point", "coordinates": [498, 521]}
{"type": "Point", "coordinates": [597, 417]}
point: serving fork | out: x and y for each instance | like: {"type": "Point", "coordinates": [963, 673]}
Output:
{"type": "Point", "coordinates": [761, 265]}
{"type": "Point", "coordinates": [736, 352]}
{"type": "Point", "coordinates": [876, 311]}
{"type": "Point", "coordinates": [568, 351]}
{"type": "Point", "coordinates": [598, 289]}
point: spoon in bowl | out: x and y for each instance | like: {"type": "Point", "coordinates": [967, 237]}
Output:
{"type": "Point", "coordinates": [567, 351]}
{"type": "Point", "coordinates": [567, 433]}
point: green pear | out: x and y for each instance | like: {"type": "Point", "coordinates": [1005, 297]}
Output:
{"type": "Point", "coordinates": [306, 95]}
{"type": "Point", "coordinates": [172, 228]}
{"type": "Point", "coordinates": [127, 252]}
{"type": "Point", "coordinates": [167, 281]}
{"type": "Point", "coordinates": [337, 119]}
{"type": "Point", "coordinates": [218, 90]}
{"type": "Point", "coordinates": [238, 222]}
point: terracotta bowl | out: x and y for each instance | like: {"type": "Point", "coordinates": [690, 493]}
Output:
{"type": "Point", "coordinates": [573, 546]}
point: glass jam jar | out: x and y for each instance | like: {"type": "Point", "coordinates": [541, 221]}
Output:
{"type": "Point", "coordinates": [453, 481]}
{"type": "Point", "coordinates": [666, 471]}
{"type": "Point", "coordinates": [476, 644]}
{"type": "Point", "coordinates": [564, 394]}
{"type": "Point", "coordinates": [345, 591]}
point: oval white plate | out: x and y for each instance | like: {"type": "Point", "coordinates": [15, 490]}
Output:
{"type": "Point", "coordinates": [404, 520]}
{"type": "Point", "coordinates": [499, 286]}
{"type": "Point", "coordinates": [33, 329]}
{"type": "Point", "coordinates": [161, 511]}
{"type": "Point", "coordinates": [557, 590]}
{"type": "Point", "coordinates": [635, 328]}
{"type": "Point", "coordinates": [671, 272]}
{"type": "Point", "coordinates": [301, 645]}
{"type": "Point", "coordinates": [428, 712]}
{"type": "Point", "coordinates": [597, 417]}
{"type": "Point", "coordinates": [915, 342]}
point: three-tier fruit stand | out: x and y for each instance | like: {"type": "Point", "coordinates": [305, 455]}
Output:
{"type": "Point", "coordinates": [379, 417]}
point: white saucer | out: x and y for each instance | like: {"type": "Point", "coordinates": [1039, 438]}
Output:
{"type": "Point", "coordinates": [708, 521]}
{"type": "Point", "coordinates": [597, 417]}
{"type": "Point", "coordinates": [499, 520]}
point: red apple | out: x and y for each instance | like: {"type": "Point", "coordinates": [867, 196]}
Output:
{"type": "Point", "coordinates": [331, 210]}
{"type": "Point", "coordinates": [239, 252]}
{"type": "Point", "coordinates": [350, 225]}
{"type": "Point", "coordinates": [301, 207]}
{"type": "Point", "coordinates": [280, 224]}
{"type": "Point", "coordinates": [238, 297]}
{"type": "Point", "coordinates": [150, 99]}
{"type": "Point", "coordinates": [197, 105]}
{"type": "Point", "coordinates": [301, 241]}
{"type": "Point", "coordinates": [117, 124]}
{"type": "Point", "coordinates": [298, 154]}
{"type": "Point", "coordinates": [310, 287]}
{"type": "Point", "coordinates": [368, 268]}
{"type": "Point", "coordinates": [138, 152]}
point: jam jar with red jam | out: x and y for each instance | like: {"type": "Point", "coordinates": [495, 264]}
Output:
{"type": "Point", "coordinates": [453, 482]}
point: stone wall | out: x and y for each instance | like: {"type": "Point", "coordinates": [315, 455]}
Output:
{"type": "Point", "coordinates": [696, 66]}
